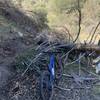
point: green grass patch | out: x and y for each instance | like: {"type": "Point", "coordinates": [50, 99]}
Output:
{"type": "Point", "coordinates": [24, 59]}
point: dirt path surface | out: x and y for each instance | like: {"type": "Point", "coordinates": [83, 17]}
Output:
{"type": "Point", "coordinates": [9, 49]}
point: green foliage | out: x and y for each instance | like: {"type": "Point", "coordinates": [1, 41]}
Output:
{"type": "Point", "coordinates": [40, 18]}
{"type": "Point", "coordinates": [24, 59]}
{"type": "Point", "coordinates": [60, 6]}
{"type": "Point", "coordinates": [61, 12]}
{"type": "Point", "coordinates": [40, 15]}
{"type": "Point", "coordinates": [38, 7]}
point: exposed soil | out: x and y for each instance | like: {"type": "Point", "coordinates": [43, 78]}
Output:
{"type": "Point", "coordinates": [17, 87]}
{"type": "Point", "coordinates": [9, 49]}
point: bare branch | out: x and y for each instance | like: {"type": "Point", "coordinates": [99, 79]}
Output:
{"type": "Point", "coordinates": [79, 24]}
{"type": "Point", "coordinates": [94, 39]}
{"type": "Point", "coordinates": [70, 36]}
{"type": "Point", "coordinates": [89, 34]}
{"type": "Point", "coordinates": [94, 32]}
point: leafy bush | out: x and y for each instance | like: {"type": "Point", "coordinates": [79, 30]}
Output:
{"type": "Point", "coordinates": [40, 18]}
{"type": "Point", "coordinates": [60, 6]}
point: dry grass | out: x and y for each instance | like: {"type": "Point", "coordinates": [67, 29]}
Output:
{"type": "Point", "coordinates": [90, 16]}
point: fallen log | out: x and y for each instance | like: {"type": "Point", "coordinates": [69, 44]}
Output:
{"type": "Point", "coordinates": [88, 47]}
{"type": "Point", "coordinates": [77, 48]}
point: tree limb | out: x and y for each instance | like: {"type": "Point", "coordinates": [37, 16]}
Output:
{"type": "Point", "coordinates": [94, 32]}
{"type": "Point", "coordinates": [79, 23]}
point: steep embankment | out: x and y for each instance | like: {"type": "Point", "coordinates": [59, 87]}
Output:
{"type": "Point", "coordinates": [17, 33]}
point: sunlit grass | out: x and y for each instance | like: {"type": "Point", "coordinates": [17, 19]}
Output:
{"type": "Point", "coordinates": [90, 16]}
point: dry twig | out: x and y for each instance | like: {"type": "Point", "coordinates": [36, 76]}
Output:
{"type": "Point", "coordinates": [94, 32]}
{"type": "Point", "coordinates": [79, 22]}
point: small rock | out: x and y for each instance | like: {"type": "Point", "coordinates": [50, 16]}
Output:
{"type": "Point", "coordinates": [20, 34]}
